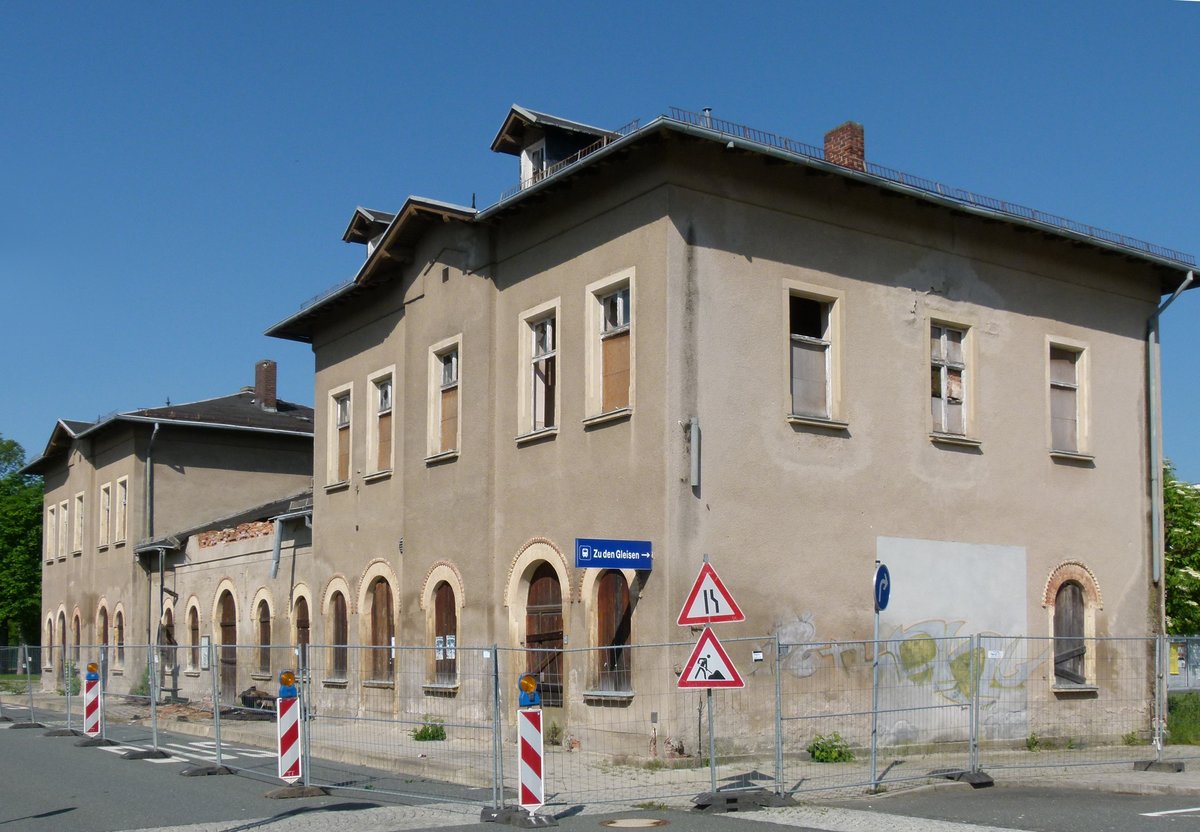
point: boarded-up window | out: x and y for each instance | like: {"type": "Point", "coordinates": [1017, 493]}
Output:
{"type": "Point", "coordinates": [342, 415]}
{"type": "Point", "coordinates": [340, 628]}
{"type": "Point", "coordinates": [448, 402]}
{"type": "Point", "coordinates": [614, 335]}
{"type": "Point", "coordinates": [544, 634]}
{"type": "Point", "coordinates": [1069, 648]}
{"type": "Point", "coordinates": [542, 384]}
{"type": "Point", "coordinates": [947, 379]}
{"type": "Point", "coordinates": [383, 427]}
{"type": "Point", "coordinates": [382, 630]}
{"type": "Point", "coordinates": [120, 634]}
{"type": "Point", "coordinates": [1064, 399]}
{"type": "Point", "coordinates": [102, 627]}
{"type": "Point", "coordinates": [614, 617]}
{"type": "Point", "coordinates": [264, 637]}
{"type": "Point", "coordinates": [194, 638]}
{"type": "Point", "coordinates": [808, 324]}
{"type": "Point", "coordinates": [445, 635]}
{"type": "Point", "coordinates": [303, 630]}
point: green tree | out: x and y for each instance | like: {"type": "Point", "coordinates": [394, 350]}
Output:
{"type": "Point", "coordinates": [20, 547]}
{"type": "Point", "coordinates": [1181, 516]}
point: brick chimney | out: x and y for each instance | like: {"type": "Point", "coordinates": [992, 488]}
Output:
{"type": "Point", "coordinates": [264, 384]}
{"type": "Point", "coordinates": [845, 145]}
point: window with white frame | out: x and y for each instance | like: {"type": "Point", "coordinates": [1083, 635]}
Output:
{"type": "Point", "coordinates": [543, 374]}
{"type": "Point", "coordinates": [121, 524]}
{"type": "Point", "coordinates": [811, 359]}
{"type": "Point", "coordinates": [380, 435]}
{"type": "Point", "coordinates": [445, 402]}
{"type": "Point", "coordinates": [77, 535]}
{"type": "Point", "coordinates": [948, 379]}
{"type": "Point", "coordinates": [105, 514]}
{"type": "Point", "coordinates": [1065, 399]}
{"type": "Point", "coordinates": [610, 348]}
{"type": "Point", "coordinates": [339, 436]}
{"type": "Point", "coordinates": [64, 528]}
{"type": "Point", "coordinates": [50, 532]}
{"type": "Point", "coordinates": [538, 362]}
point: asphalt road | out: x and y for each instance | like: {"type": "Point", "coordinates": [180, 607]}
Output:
{"type": "Point", "coordinates": [48, 783]}
{"type": "Point", "coordinates": [1040, 809]}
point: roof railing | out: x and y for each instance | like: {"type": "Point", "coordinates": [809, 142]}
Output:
{"type": "Point", "coordinates": [920, 183]}
{"type": "Point", "coordinates": [961, 196]}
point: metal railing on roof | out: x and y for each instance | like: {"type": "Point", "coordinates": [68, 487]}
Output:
{"type": "Point", "coordinates": [918, 183]}
{"type": "Point", "coordinates": [332, 290]}
{"type": "Point", "coordinates": [539, 175]}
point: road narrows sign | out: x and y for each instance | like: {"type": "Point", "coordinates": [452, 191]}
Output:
{"type": "Point", "coordinates": [287, 712]}
{"type": "Point", "coordinates": [709, 666]}
{"type": "Point", "coordinates": [709, 602]}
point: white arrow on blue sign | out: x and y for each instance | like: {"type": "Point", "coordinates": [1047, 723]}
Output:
{"type": "Point", "coordinates": [883, 587]}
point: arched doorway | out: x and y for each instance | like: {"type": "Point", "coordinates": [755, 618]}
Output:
{"type": "Point", "coordinates": [544, 634]}
{"type": "Point", "coordinates": [62, 643]}
{"type": "Point", "coordinates": [228, 648]}
{"type": "Point", "coordinates": [303, 630]}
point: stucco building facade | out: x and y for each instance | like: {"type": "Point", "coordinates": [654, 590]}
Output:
{"type": "Point", "coordinates": [714, 341]}
{"type": "Point", "coordinates": [117, 491]}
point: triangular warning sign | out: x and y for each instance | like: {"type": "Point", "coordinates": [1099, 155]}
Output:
{"type": "Point", "coordinates": [709, 602]}
{"type": "Point", "coordinates": [709, 666]}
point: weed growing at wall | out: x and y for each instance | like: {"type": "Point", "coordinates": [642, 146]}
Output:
{"type": "Point", "coordinates": [430, 730]}
{"type": "Point", "coordinates": [830, 748]}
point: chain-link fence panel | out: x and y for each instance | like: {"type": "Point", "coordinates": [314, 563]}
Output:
{"type": "Point", "coordinates": [617, 726]}
{"type": "Point", "coordinates": [19, 678]}
{"type": "Point", "coordinates": [830, 707]}
{"type": "Point", "coordinates": [1047, 703]}
{"type": "Point", "coordinates": [423, 718]}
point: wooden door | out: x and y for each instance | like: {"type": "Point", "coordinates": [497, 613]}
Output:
{"type": "Point", "coordinates": [1069, 648]}
{"type": "Point", "coordinates": [544, 634]}
{"type": "Point", "coordinates": [228, 650]}
{"type": "Point", "coordinates": [613, 618]}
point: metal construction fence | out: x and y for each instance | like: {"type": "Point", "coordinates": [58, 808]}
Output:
{"type": "Point", "coordinates": [440, 721]}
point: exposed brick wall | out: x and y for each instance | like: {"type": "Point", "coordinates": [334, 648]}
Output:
{"type": "Point", "coordinates": [845, 145]}
{"type": "Point", "coordinates": [245, 531]}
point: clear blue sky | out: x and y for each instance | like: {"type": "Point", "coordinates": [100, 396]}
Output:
{"type": "Point", "coordinates": [176, 177]}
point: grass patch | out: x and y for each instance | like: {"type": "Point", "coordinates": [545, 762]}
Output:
{"type": "Point", "coordinates": [13, 683]}
{"type": "Point", "coordinates": [1183, 718]}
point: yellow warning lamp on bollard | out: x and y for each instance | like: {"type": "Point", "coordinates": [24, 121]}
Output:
{"type": "Point", "coordinates": [529, 691]}
{"type": "Point", "coordinates": [287, 685]}
{"type": "Point", "coordinates": [93, 672]}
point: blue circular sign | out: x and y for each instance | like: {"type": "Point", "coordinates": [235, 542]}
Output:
{"type": "Point", "coordinates": [883, 587]}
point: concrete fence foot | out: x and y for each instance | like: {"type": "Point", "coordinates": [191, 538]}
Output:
{"type": "Point", "coordinates": [297, 790]}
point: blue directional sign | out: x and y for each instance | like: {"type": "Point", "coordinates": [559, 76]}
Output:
{"type": "Point", "coordinates": [883, 587]}
{"type": "Point", "coordinates": [599, 553]}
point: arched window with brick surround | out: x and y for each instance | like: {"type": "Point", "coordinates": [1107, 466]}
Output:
{"type": "Point", "coordinates": [1071, 599]}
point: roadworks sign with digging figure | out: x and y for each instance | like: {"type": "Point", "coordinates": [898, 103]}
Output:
{"type": "Point", "coordinates": [709, 666]}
